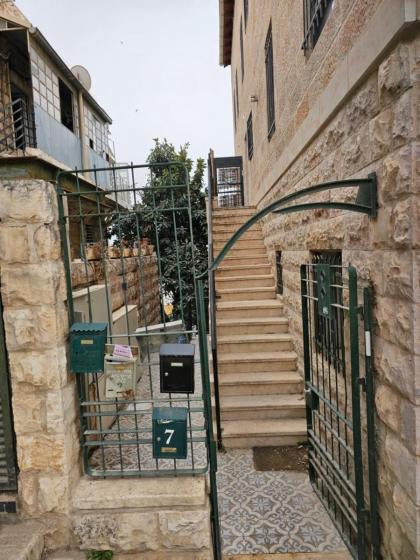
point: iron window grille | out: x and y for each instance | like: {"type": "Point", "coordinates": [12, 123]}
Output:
{"type": "Point", "coordinates": [250, 136]}
{"type": "Point", "coordinates": [246, 12]}
{"type": "Point", "coordinates": [241, 39]}
{"type": "Point", "coordinates": [315, 14]}
{"type": "Point", "coordinates": [329, 333]}
{"type": "Point", "coordinates": [269, 77]}
{"type": "Point", "coordinates": [279, 273]}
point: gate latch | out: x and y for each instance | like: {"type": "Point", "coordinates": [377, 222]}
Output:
{"type": "Point", "coordinates": [311, 399]}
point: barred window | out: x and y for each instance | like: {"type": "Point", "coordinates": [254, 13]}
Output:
{"type": "Point", "coordinates": [246, 12]}
{"type": "Point", "coordinates": [315, 14]}
{"type": "Point", "coordinates": [269, 78]}
{"type": "Point", "coordinates": [250, 136]}
{"type": "Point", "coordinates": [329, 333]}
{"type": "Point", "coordinates": [241, 39]}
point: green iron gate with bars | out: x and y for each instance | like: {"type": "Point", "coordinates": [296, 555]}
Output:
{"type": "Point", "coordinates": [340, 401]}
{"type": "Point", "coordinates": [103, 226]}
{"type": "Point", "coordinates": [8, 469]}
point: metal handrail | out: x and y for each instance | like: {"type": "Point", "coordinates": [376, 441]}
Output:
{"type": "Point", "coordinates": [212, 297]}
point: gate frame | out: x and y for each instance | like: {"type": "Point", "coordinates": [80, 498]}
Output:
{"type": "Point", "coordinates": [78, 174]}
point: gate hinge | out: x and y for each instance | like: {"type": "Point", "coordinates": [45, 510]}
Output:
{"type": "Point", "coordinates": [359, 309]}
{"type": "Point", "coordinates": [362, 382]}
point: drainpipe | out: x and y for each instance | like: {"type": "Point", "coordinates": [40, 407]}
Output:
{"type": "Point", "coordinates": [84, 147]}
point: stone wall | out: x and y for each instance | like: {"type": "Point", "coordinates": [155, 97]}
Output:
{"type": "Point", "coordinates": [375, 130]}
{"type": "Point", "coordinates": [345, 109]}
{"type": "Point", "coordinates": [162, 518]}
{"type": "Point", "coordinates": [43, 391]}
{"type": "Point", "coordinates": [139, 273]}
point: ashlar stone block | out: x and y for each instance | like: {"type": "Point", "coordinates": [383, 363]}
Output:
{"type": "Point", "coordinates": [34, 284]}
{"type": "Point", "coordinates": [394, 74]}
{"type": "Point", "coordinates": [125, 532]}
{"type": "Point", "coordinates": [28, 202]}
{"type": "Point", "coordinates": [14, 246]}
{"type": "Point", "coordinates": [47, 369]}
{"type": "Point", "coordinates": [187, 529]}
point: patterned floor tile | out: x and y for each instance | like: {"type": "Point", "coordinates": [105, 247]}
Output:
{"type": "Point", "coordinates": [270, 512]}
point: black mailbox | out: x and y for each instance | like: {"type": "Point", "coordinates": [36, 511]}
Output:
{"type": "Point", "coordinates": [177, 368]}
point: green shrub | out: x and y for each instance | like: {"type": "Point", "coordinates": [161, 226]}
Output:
{"type": "Point", "coordinates": [99, 555]}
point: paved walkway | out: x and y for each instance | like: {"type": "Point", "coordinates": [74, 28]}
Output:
{"type": "Point", "coordinates": [270, 512]}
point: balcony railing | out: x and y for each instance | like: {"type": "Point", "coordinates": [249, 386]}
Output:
{"type": "Point", "coordinates": [17, 130]}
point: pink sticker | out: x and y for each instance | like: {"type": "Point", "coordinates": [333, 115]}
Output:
{"type": "Point", "coordinates": [123, 351]}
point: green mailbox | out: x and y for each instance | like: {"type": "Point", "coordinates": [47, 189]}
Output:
{"type": "Point", "coordinates": [87, 347]}
{"type": "Point", "coordinates": [169, 433]}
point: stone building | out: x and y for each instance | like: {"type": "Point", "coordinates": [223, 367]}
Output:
{"type": "Point", "coordinates": [327, 91]}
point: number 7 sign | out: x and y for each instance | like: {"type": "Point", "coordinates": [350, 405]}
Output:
{"type": "Point", "coordinates": [169, 432]}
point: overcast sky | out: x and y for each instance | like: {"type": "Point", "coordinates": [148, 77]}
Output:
{"type": "Point", "coordinates": [154, 68]}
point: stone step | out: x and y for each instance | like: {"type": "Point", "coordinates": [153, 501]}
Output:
{"type": "Point", "coordinates": [254, 343]}
{"type": "Point", "coordinates": [243, 241]}
{"type": "Point", "coordinates": [242, 270]}
{"type": "Point", "coordinates": [247, 309]}
{"type": "Point", "coordinates": [238, 251]}
{"type": "Point", "coordinates": [243, 260]}
{"type": "Point", "coordinates": [220, 236]}
{"type": "Point", "coordinates": [263, 433]}
{"type": "Point", "coordinates": [231, 228]}
{"type": "Point", "coordinates": [240, 243]}
{"type": "Point", "coordinates": [67, 555]}
{"type": "Point", "coordinates": [21, 541]}
{"type": "Point", "coordinates": [261, 280]}
{"type": "Point", "coordinates": [262, 383]}
{"type": "Point", "coordinates": [243, 362]}
{"type": "Point", "coordinates": [252, 325]}
{"type": "Point", "coordinates": [233, 211]}
{"type": "Point", "coordinates": [262, 407]}
{"type": "Point", "coordinates": [247, 294]}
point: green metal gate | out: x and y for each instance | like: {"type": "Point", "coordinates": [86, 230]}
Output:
{"type": "Point", "coordinates": [340, 401]}
{"type": "Point", "coordinates": [105, 215]}
{"type": "Point", "coordinates": [8, 469]}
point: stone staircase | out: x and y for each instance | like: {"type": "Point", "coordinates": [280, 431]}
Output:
{"type": "Point", "coordinates": [261, 391]}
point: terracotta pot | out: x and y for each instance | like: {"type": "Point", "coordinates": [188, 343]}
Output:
{"type": "Point", "coordinates": [93, 251]}
{"type": "Point", "coordinates": [127, 251]}
{"type": "Point", "coordinates": [135, 252]}
{"type": "Point", "coordinates": [150, 249]}
{"type": "Point", "coordinates": [113, 252]}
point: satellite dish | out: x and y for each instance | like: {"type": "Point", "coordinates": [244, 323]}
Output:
{"type": "Point", "coordinates": [82, 75]}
